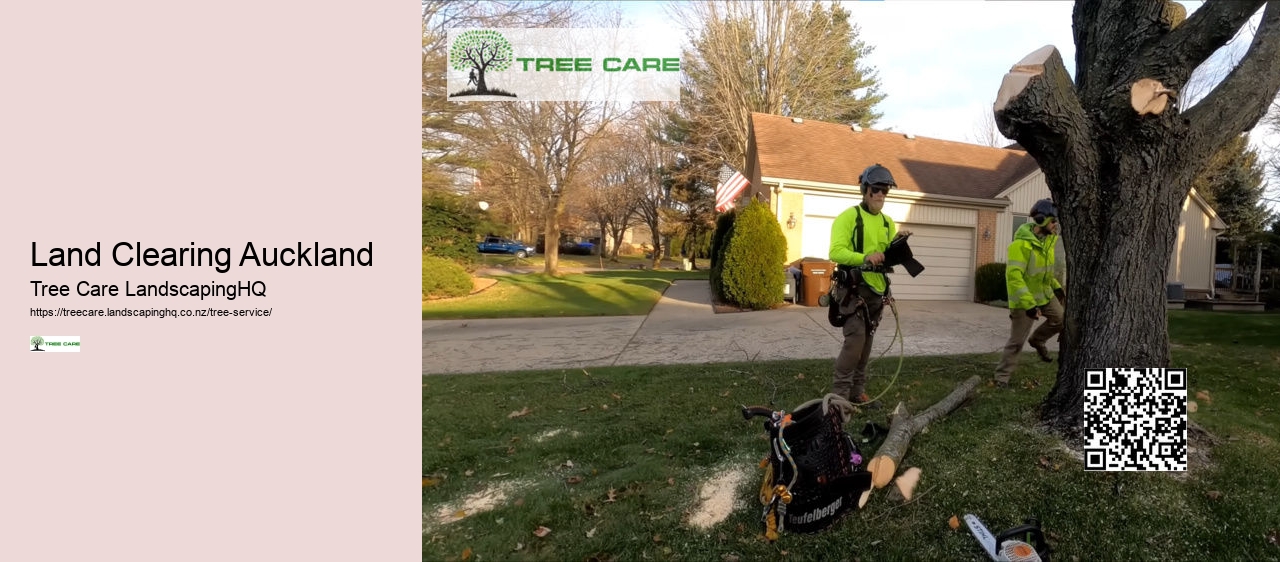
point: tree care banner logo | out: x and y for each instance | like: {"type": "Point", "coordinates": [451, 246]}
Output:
{"type": "Point", "coordinates": [579, 64]}
{"type": "Point", "coordinates": [56, 344]}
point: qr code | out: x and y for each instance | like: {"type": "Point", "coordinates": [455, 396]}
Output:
{"type": "Point", "coordinates": [1135, 419]}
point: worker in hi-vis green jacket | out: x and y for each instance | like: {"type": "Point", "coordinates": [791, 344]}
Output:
{"type": "Point", "coordinates": [859, 237]}
{"type": "Point", "coordinates": [1034, 292]}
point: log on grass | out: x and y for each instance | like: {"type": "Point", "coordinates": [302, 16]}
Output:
{"type": "Point", "coordinates": [902, 427]}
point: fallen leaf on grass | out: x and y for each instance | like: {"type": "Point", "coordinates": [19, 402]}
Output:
{"type": "Point", "coordinates": [541, 532]}
{"type": "Point", "coordinates": [713, 409]}
{"type": "Point", "coordinates": [657, 538]}
{"type": "Point", "coordinates": [469, 472]}
{"type": "Point", "coordinates": [429, 481]}
{"type": "Point", "coordinates": [1203, 396]}
{"type": "Point", "coordinates": [519, 546]}
{"type": "Point", "coordinates": [612, 496]}
{"type": "Point", "coordinates": [1213, 495]}
{"type": "Point", "coordinates": [954, 522]}
{"type": "Point", "coordinates": [584, 408]}
{"type": "Point", "coordinates": [671, 481]}
{"type": "Point", "coordinates": [1192, 406]}
{"type": "Point", "coordinates": [800, 376]}
{"type": "Point", "coordinates": [615, 396]}
{"type": "Point", "coordinates": [1273, 537]}
{"type": "Point", "coordinates": [574, 480]}
{"type": "Point", "coordinates": [459, 514]}
{"type": "Point", "coordinates": [591, 533]}
{"type": "Point", "coordinates": [567, 464]}
{"type": "Point", "coordinates": [724, 394]}
{"type": "Point", "coordinates": [1044, 462]}
{"type": "Point", "coordinates": [519, 413]}
{"type": "Point", "coordinates": [604, 406]}
{"type": "Point", "coordinates": [466, 553]}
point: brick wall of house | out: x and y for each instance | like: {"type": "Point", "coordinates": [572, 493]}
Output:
{"type": "Point", "coordinates": [986, 244]}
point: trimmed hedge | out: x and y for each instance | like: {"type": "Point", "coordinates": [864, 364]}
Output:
{"type": "Point", "coordinates": [719, 239]}
{"type": "Point", "coordinates": [443, 278]}
{"type": "Point", "coordinates": [752, 272]}
{"type": "Point", "coordinates": [990, 284]}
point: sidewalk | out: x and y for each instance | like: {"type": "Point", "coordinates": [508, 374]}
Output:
{"type": "Point", "coordinates": [683, 329]}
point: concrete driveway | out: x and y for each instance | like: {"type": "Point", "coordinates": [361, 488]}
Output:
{"type": "Point", "coordinates": [683, 329]}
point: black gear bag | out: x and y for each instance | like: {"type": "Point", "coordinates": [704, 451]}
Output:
{"type": "Point", "coordinates": [814, 472]}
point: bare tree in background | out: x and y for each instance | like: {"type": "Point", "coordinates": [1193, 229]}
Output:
{"type": "Point", "coordinates": [986, 133]}
{"type": "Point", "coordinates": [547, 144]}
{"type": "Point", "coordinates": [1119, 151]}
{"type": "Point", "coordinates": [657, 156]}
{"type": "Point", "coordinates": [613, 199]}
{"type": "Point", "coordinates": [786, 57]}
{"type": "Point", "coordinates": [446, 124]}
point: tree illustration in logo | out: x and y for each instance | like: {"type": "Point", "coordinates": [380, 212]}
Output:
{"type": "Point", "coordinates": [37, 341]}
{"type": "Point", "coordinates": [480, 51]}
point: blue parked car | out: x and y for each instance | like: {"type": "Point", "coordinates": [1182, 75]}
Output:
{"type": "Point", "coordinates": [496, 245]}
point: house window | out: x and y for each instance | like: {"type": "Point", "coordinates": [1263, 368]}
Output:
{"type": "Point", "coordinates": [1018, 221]}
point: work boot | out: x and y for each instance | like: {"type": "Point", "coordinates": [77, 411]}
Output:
{"type": "Point", "coordinates": [1043, 352]}
{"type": "Point", "coordinates": [862, 400]}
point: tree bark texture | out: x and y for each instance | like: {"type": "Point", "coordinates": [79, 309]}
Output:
{"type": "Point", "coordinates": [551, 236]}
{"type": "Point", "coordinates": [1119, 177]}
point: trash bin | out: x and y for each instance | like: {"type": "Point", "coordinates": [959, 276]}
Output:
{"type": "Point", "coordinates": [816, 279]}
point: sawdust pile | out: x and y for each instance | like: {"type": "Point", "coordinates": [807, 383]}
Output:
{"type": "Point", "coordinates": [717, 498]}
{"type": "Point", "coordinates": [489, 498]}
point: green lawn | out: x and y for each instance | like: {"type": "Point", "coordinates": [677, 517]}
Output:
{"type": "Point", "coordinates": [599, 293]}
{"type": "Point", "coordinates": [612, 462]}
{"type": "Point", "coordinates": [576, 261]}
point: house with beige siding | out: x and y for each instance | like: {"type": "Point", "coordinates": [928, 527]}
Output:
{"type": "Point", "coordinates": [961, 201]}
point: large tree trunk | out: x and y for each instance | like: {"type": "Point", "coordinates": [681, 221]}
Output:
{"type": "Point", "coordinates": [551, 236]}
{"type": "Point", "coordinates": [1119, 153]}
{"type": "Point", "coordinates": [617, 234]}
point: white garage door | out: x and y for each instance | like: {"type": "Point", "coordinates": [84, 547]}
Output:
{"type": "Point", "coordinates": [947, 255]}
{"type": "Point", "coordinates": [945, 251]}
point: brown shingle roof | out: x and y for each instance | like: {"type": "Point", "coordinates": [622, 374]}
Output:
{"type": "Point", "coordinates": [834, 153]}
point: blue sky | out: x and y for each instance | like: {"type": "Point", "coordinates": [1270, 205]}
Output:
{"type": "Point", "coordinates": [940, 61]}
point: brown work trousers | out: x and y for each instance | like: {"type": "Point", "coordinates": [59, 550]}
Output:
{"type": "Point", "coordinates": [850, 379]}
{"type": "Point", "coordinates": [1022, 324]}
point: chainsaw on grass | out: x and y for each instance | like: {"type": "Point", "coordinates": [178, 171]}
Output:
{"type": "Point", "coordinates": [1013, 545]}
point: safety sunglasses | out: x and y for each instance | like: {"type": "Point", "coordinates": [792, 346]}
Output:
{"type": "Point", "coordinates": [879, 188]}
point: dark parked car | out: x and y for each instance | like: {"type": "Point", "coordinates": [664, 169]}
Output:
{"type": "Point", "coordinates": [495, 245]}
{"type": "Point", "coordinates": [578, 248]}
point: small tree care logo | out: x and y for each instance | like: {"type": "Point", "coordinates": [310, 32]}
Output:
{"type": "Point", "coordinates": [480, 51]}
{"type": "Point", "coordinates": [54, 344]}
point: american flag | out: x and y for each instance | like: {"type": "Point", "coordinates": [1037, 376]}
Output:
{"type": "Point", "coordinates": [732, 182]}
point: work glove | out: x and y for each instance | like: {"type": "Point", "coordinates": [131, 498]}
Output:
{"type": "Point", "coordinates": [1061, 294]}
{"type": "Point", "coordinates": [1033, 312]}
